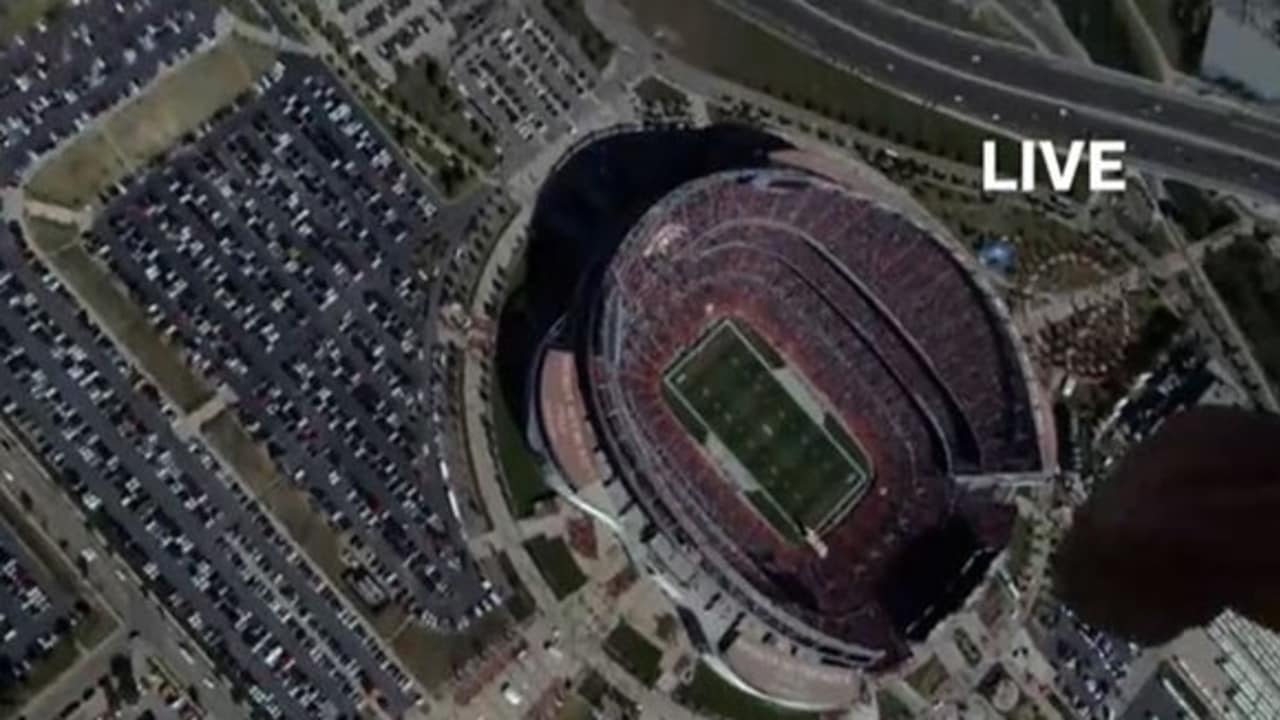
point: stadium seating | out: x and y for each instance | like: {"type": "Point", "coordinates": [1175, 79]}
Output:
{"type": "Point", "coordinates": [880, 319]}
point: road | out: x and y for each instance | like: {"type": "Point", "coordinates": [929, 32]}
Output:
{"type": "Point", "coordinates": [111, 578]}
{"type": "Point", "coordinates": [1209, 304]}
{"type": "Point", "coordinates": [1042, 19]}
{"type": "Point", "coordinates": [1032, 95]}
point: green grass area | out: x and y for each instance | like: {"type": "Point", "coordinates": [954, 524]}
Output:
{"type": "Point", "coordinates": [634, 653]}
{"type": "Point", "coordinates": [976, 18]}
{"type": "Point", "coordinates": [1101, 29]}
{"type": "Point", "coordinates": [657, 91]}
{"type": "Point", "coordinates": [226, 437]}
{"type": "Point", "coordinates": [1247, 277]}
{"type": "Point", "coordinates": [521, 472]}
{"type": "Point", "coordinates": [151, 123]}
{"type": "Point", "coordinates": [575, 708]}
{"type": "Point", "coordinates": [1020, 544]}
{"type": "Point", "coordinates": [891, 707]}
{"type": "Point", "coordinates": [607, 700]}
{"type": "Point", "coordinates": [428, 95]}
{"type": "Point", "coordinates": [18, 16]}
{"type": "Point", "coordinates": [1180, 26]}
{"type": "Point", "coordinates": [521, 604]}
{"type": "Point", "coordinates": [573, 18]}
{"type": "Point", "coordinates": [709, 695]}
{"type": "Point", "coordinates": [556, 564]}
{"type": "Point", "coordinates": [1199, 213]}
{"type": "Point", "coordinates": [706, 35]}
{"type": "Point", "coordinates": [734, 393]}
{"type": "Point", "coordinates": [593, 688]}
{"type": "Point", "coordinates": [109, 303]}
{"type": "Point", "coordinates": [483, 233]}
{"type": "Point", "coordinates": [430, 154]}
{"type": "Point", "coordinates": [51, 568]}
{"type": "Point", "coordinates": [311, 530]}
{"type": "Point", "coordinates": [431, 657]}
{"type": "Point", "coordinates": [294, 508]}
{"type": "Point", "coordinates": [93, 629]}
{"type": "Point", "coordinates": [44, 671]}
{"type": "Point", "coordinates": [928, 678]}
{"type": "Point", "coordinates": [248, 11]}
{"type": "Point", "coordinates": [998, 26]}
{"type": "Point", "coordinates": [79, 171]}
{"type": "Point", "coordinates": [1159, 17]}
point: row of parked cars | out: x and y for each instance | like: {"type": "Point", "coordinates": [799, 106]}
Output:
{"type": "Point", "coordinates": [56, 78]}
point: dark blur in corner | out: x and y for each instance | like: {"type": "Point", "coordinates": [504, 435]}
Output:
{"type": "Point", "coordinates": [1188, 525]}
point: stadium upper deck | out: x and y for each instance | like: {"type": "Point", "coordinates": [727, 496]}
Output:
{"type": "Point", "coordinates": [893, 335]}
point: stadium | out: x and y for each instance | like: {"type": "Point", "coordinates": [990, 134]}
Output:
{"type": "Point", "coordinates": [793, 398]}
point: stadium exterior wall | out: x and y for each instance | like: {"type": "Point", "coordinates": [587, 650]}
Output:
{"type": "Point", "coordinates": [652, 498]}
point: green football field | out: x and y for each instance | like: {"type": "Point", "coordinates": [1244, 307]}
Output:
{"type": "Point", "coordinates": [723, 385]}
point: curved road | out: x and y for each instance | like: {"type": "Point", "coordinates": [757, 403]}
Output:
{"type": "Point", "coordinates": [1033, 95]}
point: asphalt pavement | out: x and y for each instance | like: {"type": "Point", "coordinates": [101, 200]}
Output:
{"type": "Point", "coordinates": [1031, 95]}
{"type": "Point", "coordinates": [110, 577]}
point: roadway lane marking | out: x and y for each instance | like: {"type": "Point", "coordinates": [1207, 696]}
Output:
{"type": "Point", "coordinates": [780, 28]}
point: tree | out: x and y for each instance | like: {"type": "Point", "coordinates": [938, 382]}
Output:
{"type": "Point", "coordinates": [122, 669]}
{"type": "Point", "coordinates": [666, 627]}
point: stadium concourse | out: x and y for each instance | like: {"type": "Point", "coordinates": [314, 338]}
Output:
{"type": "Point", "coordinates": [891, 351]}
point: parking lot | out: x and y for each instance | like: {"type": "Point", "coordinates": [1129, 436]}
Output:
{"type": "Point", "coordinates": [55, 79]}
{"type": "Point", "coordinates": [279, 254]}
{"type": "Point", "coordinates": [523, 76]}
{"type": "Point", "coordinates": [393, 32]}
{"type": "Point", "coordinates": [30, 610]}
{"type": "Point", "coordinates": [277, 249]}
{"type": "Point", "coordinates": [1089, 663]}
{"type": "Point", "coordinates": [205, 549]}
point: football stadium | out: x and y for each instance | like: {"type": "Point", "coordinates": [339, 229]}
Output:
{"type": "Point", "coordinates": [795, 399]}
{"type": "Point", "coordinates": [798, 468]}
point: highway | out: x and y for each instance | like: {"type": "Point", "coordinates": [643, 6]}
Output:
{"type": "Point", "coordinates": [1031, 95]}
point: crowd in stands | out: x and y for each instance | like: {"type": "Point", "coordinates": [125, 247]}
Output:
{"type": "Point", "coordinates": [875, 314]}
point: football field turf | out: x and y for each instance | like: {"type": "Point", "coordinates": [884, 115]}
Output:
{"type": "Point", "coordinates": [723, 386]}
